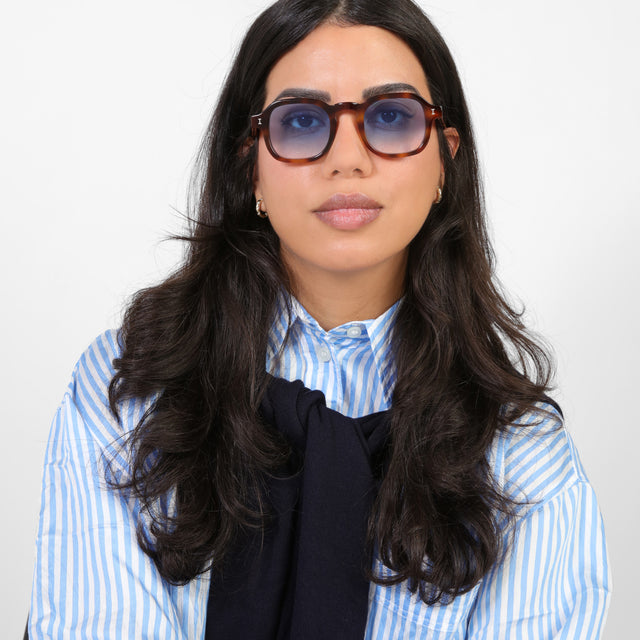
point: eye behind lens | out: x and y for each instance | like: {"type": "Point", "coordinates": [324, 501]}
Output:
{"type": "Point", "coordinates": [395, 125]}
{"type": "Point", "coordinates": [393, 113]}
{"type": "Point", "coordinates": [299, 130]}
{"type": "Point", "coordinates": [298, 116]}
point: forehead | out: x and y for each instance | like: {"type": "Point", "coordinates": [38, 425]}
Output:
{"type": "Point", "coordinates": [345, 61]}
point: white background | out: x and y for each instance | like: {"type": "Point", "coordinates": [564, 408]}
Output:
{"type": "Point", "coordinates": [102, 108]}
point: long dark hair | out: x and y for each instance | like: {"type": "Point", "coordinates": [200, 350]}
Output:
{"type": "Point", "coordinates": [197, 343]}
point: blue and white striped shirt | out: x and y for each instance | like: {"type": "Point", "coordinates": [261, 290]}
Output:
{"type": "Point", "coordinates": [91, 580]}
{"type": "Point", "coordinates": [352, 364]}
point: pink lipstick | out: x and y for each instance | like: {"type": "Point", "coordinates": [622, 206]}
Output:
{"type": "Point", "coordinates": [348, 211]}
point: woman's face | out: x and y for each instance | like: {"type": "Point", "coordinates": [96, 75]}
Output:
{"type": "Point", "coordinates": [346, 64]}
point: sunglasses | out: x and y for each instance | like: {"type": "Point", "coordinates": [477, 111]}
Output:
{"type": "Point", "coordinates": [391, 125]}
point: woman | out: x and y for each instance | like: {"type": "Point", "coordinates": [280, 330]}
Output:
{"type": "Point", "coordinates": [417, 482]}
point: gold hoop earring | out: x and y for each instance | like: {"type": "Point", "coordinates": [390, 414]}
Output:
{"type": "Point", "coordinates": [259, 211]}
{"type": "Point", "coordinates": [438, 199]}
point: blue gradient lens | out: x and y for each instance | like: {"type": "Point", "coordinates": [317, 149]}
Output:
{"type": "Point", "coordinates": [395, 125]}
{"type": "Point", "coordinates": [299, 130]}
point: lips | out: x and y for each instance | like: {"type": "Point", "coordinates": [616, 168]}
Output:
{"type": "Point", "coordinates": [348, 211]}
{"type": "Point", "coordinates": [340, 201]}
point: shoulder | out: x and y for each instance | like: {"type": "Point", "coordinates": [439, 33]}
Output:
{"type": "Point", "coordinates": [535, 459]}
{"type": "Point", "coordinates": [95, 365]}
{"type": "Point", "coordinates": [87, 395]}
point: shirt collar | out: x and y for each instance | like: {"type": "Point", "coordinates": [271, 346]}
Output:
{"type": "Point", "coordinates": [290, 312]}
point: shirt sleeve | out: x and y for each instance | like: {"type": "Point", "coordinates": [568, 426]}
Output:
{"type": "Point", "coordinates": [554, 582]}
{"type": "Point", "coordinates": [91, 579]}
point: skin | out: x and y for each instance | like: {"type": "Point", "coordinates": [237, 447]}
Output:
{"type": "Point", "coordinates": [344, 275]}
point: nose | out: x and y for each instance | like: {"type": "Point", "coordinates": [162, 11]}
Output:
{"type": "Point", "coordinates": [348, 155]}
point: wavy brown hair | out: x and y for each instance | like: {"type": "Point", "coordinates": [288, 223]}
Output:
{"type": "Point", "coordinates": [197, 343]}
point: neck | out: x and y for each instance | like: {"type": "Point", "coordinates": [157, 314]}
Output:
{"type": "Point", "coordinates": [334, 298]}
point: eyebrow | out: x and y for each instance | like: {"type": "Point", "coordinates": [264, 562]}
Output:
{"type": "Point", "coordinates": [392, 87]}
{"type": "Point", "coordinates": [304, 93]}
{"type": "Point", "coordinates": [369, 92]}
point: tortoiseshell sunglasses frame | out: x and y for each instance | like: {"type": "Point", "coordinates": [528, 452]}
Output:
{"type": "Point", "coordinates": [260, 122]}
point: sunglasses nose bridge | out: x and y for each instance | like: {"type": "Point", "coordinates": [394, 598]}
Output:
{"type": "Point", "coordinates": [340, 108]}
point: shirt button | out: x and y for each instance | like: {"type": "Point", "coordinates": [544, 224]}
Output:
{"type": "Point", "coordinates": [324, 355]}
{"type": "Point", "coordinates": [354, 331]}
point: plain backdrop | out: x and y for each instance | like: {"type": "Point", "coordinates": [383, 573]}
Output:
{"type": "Point", "coordinates": [103, 105]}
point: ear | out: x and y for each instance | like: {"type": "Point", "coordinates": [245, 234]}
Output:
{"type": "Point", "coordinates": [244, 152]}
{"type": "Point", "coordinates": [255, 181]}
{"type": "Point", "coordinates": [453, 140]}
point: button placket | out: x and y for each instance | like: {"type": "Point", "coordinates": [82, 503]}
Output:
{"type": "Point", "coordinates": [354, 331]}
{"type": "Point", "coordinates": [324, 354]}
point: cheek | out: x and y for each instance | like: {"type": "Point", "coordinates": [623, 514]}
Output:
{"type": "Point", "coordinates": [414, 184]}
{"type": "Point", "coordinates": [279, 184]}
{"type": "Point", "coordinates": [285, 191]}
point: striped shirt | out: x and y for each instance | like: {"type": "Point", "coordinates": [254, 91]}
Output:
{"type": "Point", "coordinates": [351, 364]}
{"type": "Point", "coordinates": [91, 580]}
